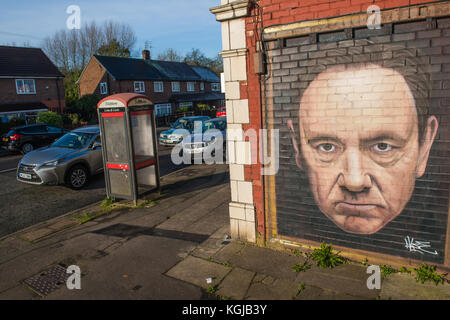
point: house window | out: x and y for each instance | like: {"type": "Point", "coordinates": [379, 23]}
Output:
{"type": "Point", "coordinates": [175, 87]}
{"type": "Point", "coordinates": [139, 86]}
{"type": "Point", "coordinates": [190, 86]}
{"type": "Point", "coordinates": [202, 86]}
{"type": "Point", "coordinates": [159, 86]}
{"type": "Point", "coordinates": [25, 86]}
{"type": "Point", "coordinates": [103, 88]}
{"type": "Point", "coordinates": [163, 109]}
{"type": "Point", "coordinates": [185, 104]}
{"type": "Point", "coordinates": [215, 86]}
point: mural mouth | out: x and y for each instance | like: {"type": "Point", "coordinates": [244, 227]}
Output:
{"type": "Point", "coordinates": [357, 209]}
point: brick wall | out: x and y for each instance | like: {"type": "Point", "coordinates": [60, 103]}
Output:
{"type": "Point", "coordinates": [46, 93]}
{"type": "Point", "coordinates": [95, 74]}
{"type": "Point", "coordinates": [293, 64]}
{"type": "Point", "coordinates": [288, 11]}
{"type": "Point", "coordinates": [92, 75]}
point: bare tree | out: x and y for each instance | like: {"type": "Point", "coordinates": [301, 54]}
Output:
{"type": "Point", "coordinates": [71, 49]}
{"type": "Point", "coordinates": [170, 55]}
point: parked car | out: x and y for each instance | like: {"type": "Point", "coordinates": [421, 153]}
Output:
{"type": "Point", "coordinates": [170, 137]}
{"type": "Point", "coordinates": [221, 112]}
{"type": "Point", "coordinates": [70, 160]}
{"type": "Point", "coordinates": [27, 138]}
{"type": "Point", "coordinates": [206, 143]}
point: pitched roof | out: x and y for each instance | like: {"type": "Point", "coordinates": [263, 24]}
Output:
{"type": "Point", "coordinates": [206, 74]}
{"type": "Point", "coordinates": [175, 70]}
{"type": "Point", "coordinates": [129, 68]}
{"type": "Point", "coordinates": [26, 62]}
{"type": "Point", "coordinates": [139, 69]}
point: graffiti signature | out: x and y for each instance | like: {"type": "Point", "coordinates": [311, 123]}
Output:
{"type": "Point", "coordinates": [418, 246]}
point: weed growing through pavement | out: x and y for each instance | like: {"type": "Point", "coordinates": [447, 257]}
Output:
{"type": "Point", "coordinates": [147, 204]}
{"type": "Point", "coordinates": [325, 258]}
{"type": "Point", "coordinates": [301, 267]}
{"type": "Point", "coordinates": [212, 289]}
{"type": "Point", "coordinates": [428, 273]}
{"type": "Point", "coordinates": [301, 287]}
{"type": "Point", "coordinates": [387, 270]}
{"type": "Point", "coordinates": [107, 203]}
{"type": "Point", "coordinates": [365, 263]}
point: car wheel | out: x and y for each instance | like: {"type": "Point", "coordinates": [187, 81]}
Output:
{"type": "Point", "coordinates": [77, 177]}
{"type": "Point", "coordinates": [27, 147]}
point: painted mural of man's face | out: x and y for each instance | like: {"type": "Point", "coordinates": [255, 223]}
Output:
{"type": "Point", "coordinates": [359, 145]}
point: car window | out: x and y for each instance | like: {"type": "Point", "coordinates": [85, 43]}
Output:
{"type": "Point", "coordinates": [33, 129]}
{"type": "Point", "coordinates": [51, 129]}
{"type": "Point", "coordinates": [73, 140]}
{"type": "Point", "coordinates": [221, 125]}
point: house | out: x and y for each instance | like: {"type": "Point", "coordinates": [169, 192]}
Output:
{"type": "Point", "coordinates": [311, 75]}
{"type": "Point", "coordinates": [29, 83]}
{"type": "Point", "coordinates": [170, 85]}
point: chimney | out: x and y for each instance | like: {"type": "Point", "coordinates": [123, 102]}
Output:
{"type": "Point", "coordinates": [145, 54]}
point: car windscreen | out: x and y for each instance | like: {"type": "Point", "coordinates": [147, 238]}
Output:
{"type": "Point", "coordinates": [207, 125]}
{"type": "Point", "coordinates": [182, 124]}
{"type": "Point", "coordinates": [219, 125]}
{"type": "Point", "coordinates": [74, 140]}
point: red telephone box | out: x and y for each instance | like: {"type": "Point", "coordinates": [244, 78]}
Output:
{"type": "Point", "coordinates": [129, 145]}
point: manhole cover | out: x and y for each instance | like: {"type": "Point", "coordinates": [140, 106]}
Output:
{"type": "Point", "coordinates": [48, 280]}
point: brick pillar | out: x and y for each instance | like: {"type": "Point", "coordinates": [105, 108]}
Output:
{"type": "Point", "coordinates": [231, 14]}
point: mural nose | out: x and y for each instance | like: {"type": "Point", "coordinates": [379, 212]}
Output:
{"type": "Point", "coordinates": [354, 177]}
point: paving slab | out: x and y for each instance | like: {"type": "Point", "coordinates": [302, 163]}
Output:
{"type": "Point", "coordinates": [226, 253]}
{"type": "Point", "coordinates": [20, 292]}
{"type": "Point", "coordinates": [63, 224]}
{"type": "Point", "coordinates": [196, 271]}
{"type": "Point", "coordinates": [263, 260]}
{"type": "Point", "coordinates": [134, 270]}
{"type": "Point", "coordinates": [36, 234]}
{"type": "Point", "coordinates": [347, 279]}
{"type": "Point", "coordinates": [236, 284]}
{"type": "Point", "coordinates": [402, 286]}
{"type": "Point", "coordinates": [213, 244]}
{"type": "Point", "coordinates": [314, 293]}
{"type": "Point", "coordinates": [275, 289]}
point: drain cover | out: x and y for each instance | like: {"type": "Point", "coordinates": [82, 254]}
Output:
{"type": "Point", "coordinates": [47, 281]}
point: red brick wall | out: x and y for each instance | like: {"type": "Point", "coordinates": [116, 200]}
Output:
{"type": "Point", "coordinates": [91, 77]}
{"type": "Point", "coordinates": [282, 12]}
{"type": "Point", "coordinates": [288, 11]}
{"type": "Point", "coordinates": [46, 93]}
{"type": "Point", "coordinates": [95, 74]}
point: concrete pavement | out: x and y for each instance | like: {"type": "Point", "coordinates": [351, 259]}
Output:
{"type": "Point", "coordinates": [177, 246]}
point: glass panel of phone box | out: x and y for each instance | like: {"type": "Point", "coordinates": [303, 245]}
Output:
{"type": "Point", "coordinates": [144, 151]}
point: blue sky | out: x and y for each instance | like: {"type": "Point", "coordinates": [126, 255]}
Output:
{"type": "Point", "coordinates": [178, 24]}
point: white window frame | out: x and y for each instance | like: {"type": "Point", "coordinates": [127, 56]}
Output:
{"type": "Point", "coordinates": [103, 88]}
{"type": "Point", "coordinates": [175, 86]}
{"type": "Point", "coordinates": [215, 86]}
{"type": "Point", "coordinates": [166, 106]}
{"type": "Point", "coordinates": [158, 86]}
{"type": "Point", "coordinates": [202, 86]}
{"type": "Point", "coordinates": [141, 86]}
{"type": "Point", "coordinates": [190, 86]}
{"type": "Point", "coordinates": [23, 86]}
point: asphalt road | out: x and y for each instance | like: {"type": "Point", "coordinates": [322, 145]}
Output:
{"type": "Point", "coordinates": [23, 205]}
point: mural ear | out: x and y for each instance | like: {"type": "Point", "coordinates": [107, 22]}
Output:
{"type": "Point", "coordinates": [295, 144]}
{"type": "Point", "coordinates": [428, 139]}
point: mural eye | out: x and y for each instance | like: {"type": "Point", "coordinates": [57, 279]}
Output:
{"type": "Point", "coordinates": [327, 147]}
{"type": "Point", "coordinates": [382, 147]}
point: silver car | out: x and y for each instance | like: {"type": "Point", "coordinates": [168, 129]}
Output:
{"type": "Point", "coordinates": [70, 160]}
{"type": "Point", "coordinates": [206, 144]}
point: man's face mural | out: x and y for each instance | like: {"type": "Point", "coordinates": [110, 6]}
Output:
{"type": "Point", "coordinates": [359, 145]}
